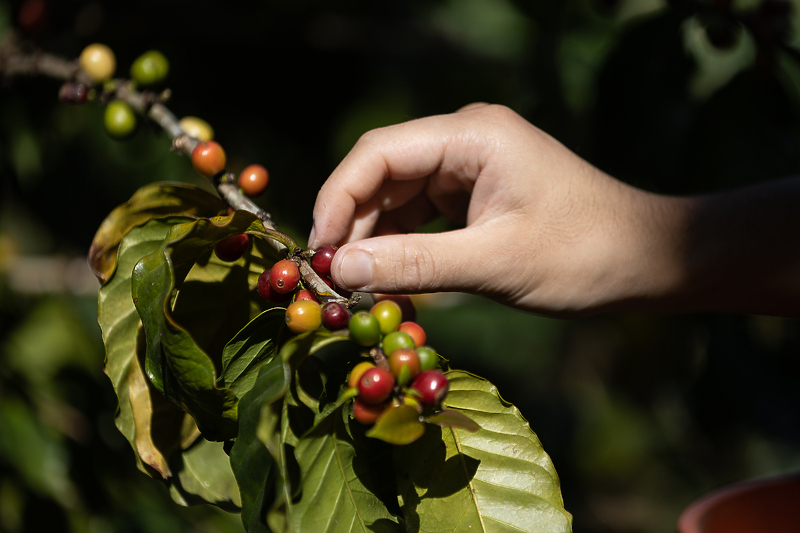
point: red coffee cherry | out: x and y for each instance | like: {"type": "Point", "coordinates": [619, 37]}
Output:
{"type": "Point", "coordinates": [367, 413]}
{"type": "Point", "coordinates": [414, 331]}
{"type": "Point", "coordinates": [305, 294]}
{"type": "Point", "coordinates": [208, 158]}
{"type": "Point", "coordinates": [335, 316]}
{"type": "Point", "coordinates": [404, 364]}
{"type": "Point", "coordinates": [375, 385]}
{"type": "Point", "coordinates": [432, 387]}
{"type": "Point", "coordinates": [73, 93]}
{"type": "Point", "coordinates": [321, 260]}
{"type": "Point", "coordinates": [284, 276]}
{"type": "Point", "coordinates": [253, 180]}
{"type": "Point", "coordinates": [265, 290]}
{"type": "Point", "coordinates": [232, 248]}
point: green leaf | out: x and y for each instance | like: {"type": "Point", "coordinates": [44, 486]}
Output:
{"type": "Point", "coordinates": [496, 479]}
{"type": "Point", "coordinates": [398, 425]}
{"type": "Point", "coordinates": [175, 364]}
{"type": "Point", "coordinates": [252, 347]}
{"type": "Point", "coordinates": [142, 409]}
{"type": "Point", "coordinates": [204, 475]}
{"type": "Point", "coordinates": [155, 200]}
{"type": "Point", "coordinates": [453, 419]}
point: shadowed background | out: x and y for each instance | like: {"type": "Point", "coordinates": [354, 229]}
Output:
{"type": "Point", "coordinates": [641, 414]}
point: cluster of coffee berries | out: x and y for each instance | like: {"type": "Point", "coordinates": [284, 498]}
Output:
{"type": "Point", "coordinates": [411, 376]}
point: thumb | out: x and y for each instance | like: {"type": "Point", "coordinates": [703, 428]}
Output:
{"type": "Point", "coordinates": [411, 263]}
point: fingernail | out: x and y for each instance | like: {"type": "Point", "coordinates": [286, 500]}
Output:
{"type": "Point", "coordinates": [356, 270]}
{"type": "Point", "coordinates": [311, 237]}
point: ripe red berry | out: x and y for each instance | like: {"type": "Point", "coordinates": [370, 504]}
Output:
{"type": "Point", "coordinates": [284, 276]}
{"type": "Point", "coordinates": [432, 387]}
{"type": "Point", "coordinates": [208, 158]}
{"type": "Point", "coordinates": [367, 413]}
{"type": "Point", "coordinates": [232, 248]}
{"type": "Point", "coordinates": [265, 290]}
{"type": "Point", "coordinates": [321, 260]}
{"type": "Point", "coordinates": [335, 316]}
{"type": "Point", "coordinates": [73, 93]}
{"type": "Point", "coordinates": [305, 294]}
{"type": "Point", "coordinates": [375, 385]}
{"type": "Point", "coordinates": [414, 331]}
{"type": "Point", "coordinates": [253, 180]}
{"type": "Point", "coordinates": [404, 364]}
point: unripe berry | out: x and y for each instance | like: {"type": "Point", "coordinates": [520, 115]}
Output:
{"type": "Point", "coordinates": [335, 316]}
{"type": "Point", "coordinates": [305, 294]}
{"type": "Point", "coordinates": [322, 258]}
{"type": "Point", "coordinates": [405, 303]}
{"type": "Point", "coordinates": [232, 248]}
{"type": "Point", "coordinates": [119, 119]}
{"type": "Point", "coordinates": [404, 365]}
{"type": "Point", "coordinates": [197, 128]}
{"type": "Point", "coordinates": [357, 372]}
{"type": "Point", "coordinates": [284, 276]}
{"type": "Point", "coordinates": [375, 385]}
{"type": "Point", "coordinates": [415, 331]}
{"type": "Point", "coordinates": [432, 387]}
{"type": "Point", "coordinates": [253, 180]}
{"type": "Point", "coordinates": [428, 359]}
{"type": "Point", "coordinates": [150, 68]}
{"type": "Point", "coordinates": [367, 413]}
{"type": "Point", "coordinates": [364, 329]}
{"type": "Point", "coordinates": [265, 290]}
{"type": "Point", "coordinates": [396, 340]}
{"type": "Point", "coordinates": [303, 316]}
{"type": "Point", "coordinates": [208, 158]}
{"type": "Point", "coordinates": [388, 314]}
{"type": "Point", "coordinates": [98, 62]}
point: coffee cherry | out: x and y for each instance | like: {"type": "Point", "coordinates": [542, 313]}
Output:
{"type": "Point", "coordinates": [335, 316]}
{"type": "Point", "coordinates": [305, 294]}
{"type": "Point", "coordinates": [367, 413]}
{"type": "Point", "coordinates": [322, 258]}
{"type": "Point", "coordinates": [150, 68]}
{"type": "Point", "coordinates": [375, 385]}
{"type": "Point", "coordinates": [265, 290]}
{"type": "Point", "coordinates": [428, 359]}
{"type": "Point", "coordinates": [232, 248]}
{"type": "Point", "coordinates": [388, 314]}
{"type": "Point", "coordinates": [357, 372]}
{"type": "Point", "coordinates": [208, 158]}
{"type": "Point", "coordinates": [432, 387]}
{"type": "Point", "coordinates": [98, 62]}
{"type": "Point", "coordinates": [405, 303]}
{"type": "Point", "coordinates": [73, 93]}
{"type": "Point", "coordinates": [404, 365]}
{"type": "Point", "coordinates": [364, 329]}
{"type": "Point", "coordinates": [284, 276]}
{"type": "Point", "coordinates": [415, 331]}
{"type": "Point", "coordinates": [303, 316]}
{"type": "Point", "coordinates": [119, 119]}
{"type": "Point", "coordinates": [197, 128]}
{"type": "Point", "coordinates": [253, 180]}
{"type": "Point", "coordinates": [396, 340]}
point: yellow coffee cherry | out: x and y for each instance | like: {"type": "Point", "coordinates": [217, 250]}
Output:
{"type": "Point", "coordinates": [197, 128]}
{"type": "Point", "coordinates": [98, 62]}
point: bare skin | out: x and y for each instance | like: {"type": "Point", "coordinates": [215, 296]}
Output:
{"type": "Point", "coordinates": [545, 231]}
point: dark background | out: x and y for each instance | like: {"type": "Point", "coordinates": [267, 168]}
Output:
{"type": "Point", "coordinates": [641, 414]}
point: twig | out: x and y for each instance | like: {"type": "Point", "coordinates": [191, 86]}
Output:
{"type": "Point", "coordinates": [15, 62]}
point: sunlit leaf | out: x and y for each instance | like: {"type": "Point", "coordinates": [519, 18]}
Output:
{"type": "Point", "coordinates": [155, 200]}
{"type": "Point", "coordinates": [453, 419]}
{"type": "Point", "coordinates": [498, 478]}
{"type": "Point", "coordinates": [398, 425]}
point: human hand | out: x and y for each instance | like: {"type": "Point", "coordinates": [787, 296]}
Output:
{"type": "Point", "coordinates": [545, 231]}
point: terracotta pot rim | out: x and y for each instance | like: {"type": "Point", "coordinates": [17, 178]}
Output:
{"type": "Point", "coordinates": [692, 516]}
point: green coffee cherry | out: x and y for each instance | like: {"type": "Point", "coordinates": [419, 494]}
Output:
{"type": "Point", "coordinates": [150, 68]}
{"type": "Point", "coordinates": [364, 329]}
{"type": "Point", "coordinates": [119, 119]}
{"type": "Point", "coordinates": [428, 359]}
{"type": "Point", "coordinates": [396, 340]}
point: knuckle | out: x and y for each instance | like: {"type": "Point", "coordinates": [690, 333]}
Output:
{"type": "Point", "coordinates": [417, 268]}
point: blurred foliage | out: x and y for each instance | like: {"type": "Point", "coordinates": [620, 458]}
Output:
{"type": "Point", "coordinates": [641, 414]}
